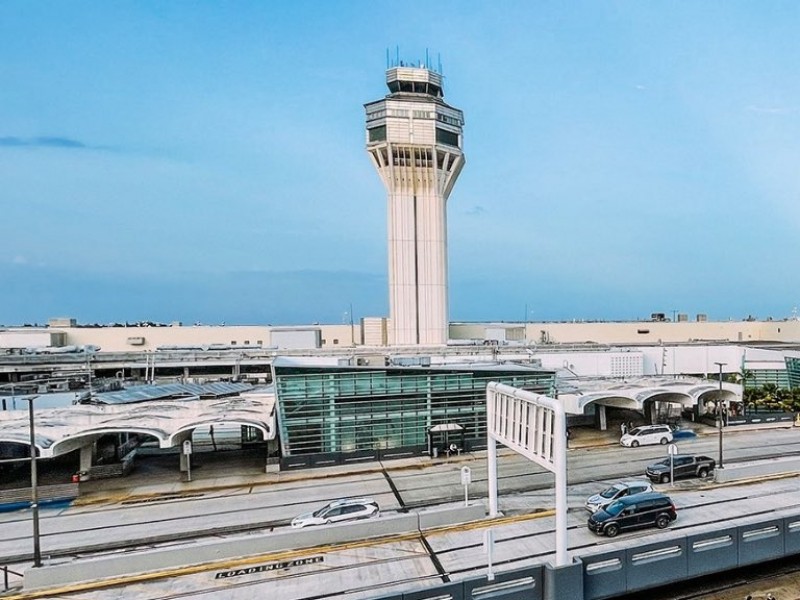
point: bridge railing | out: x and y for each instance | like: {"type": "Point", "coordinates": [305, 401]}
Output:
{"type": "Point", "coordinates": [623, 570]}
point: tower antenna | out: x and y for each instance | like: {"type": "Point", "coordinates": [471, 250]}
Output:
{"type": "Point", "coordinates": [387, 57]}
{"type": "Point", "coordinates": [440, 64]}
{"type": "Point", "coordinates": [427, 60]}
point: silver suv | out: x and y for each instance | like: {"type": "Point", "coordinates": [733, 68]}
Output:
{"type": "Point", "coordinates": [338, 511]}
{"type": "Point", "coordinates": [615, 492]}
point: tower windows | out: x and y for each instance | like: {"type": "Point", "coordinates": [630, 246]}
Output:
{"type": "Point", "coordinates": [404, 156]}
{"type": "Point", "coordinates": [377, 134]}
{"type": "Point", "coordinates": [449, 120]}
{"type": "Point", "coordinates": [446, 137]}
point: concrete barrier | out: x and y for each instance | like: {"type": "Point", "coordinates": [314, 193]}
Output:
{"type": "Point", "coordinates": [438, 517]}
{"type": "Point", "coordinates": [759, 468]}
{"type": "Point", "coordinates": [163, 559]}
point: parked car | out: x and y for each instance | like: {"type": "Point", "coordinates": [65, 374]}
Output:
{"type": "Point", "coordinates": [683, 465]}
{"type": "Point", "coordinates": [647, 434]}
{"type": "Point", "coordinates": [633, 512]}
{"type": "Point", "coordinates": [339, 511]}
{"type": "Point", "coordinates": [615, 492]}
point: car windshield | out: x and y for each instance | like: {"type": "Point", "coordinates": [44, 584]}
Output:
{"type": "Point", "coordinates": [615, 508]}
{"type": "Point", "coordinates": [318, 513]}
{"type": "Point", "coordinates": [635, 431]}
{"type": "Point", "coordinates": [610, 492]}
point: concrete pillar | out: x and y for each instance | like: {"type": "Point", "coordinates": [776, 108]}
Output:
{"type": "Point", "coordinates": [563, 581]}
{"type": "Point", "coordinates": [652, 413]}
{"type": "Point", "coordinates": [601, 412]}
{"type": "Point", "coordinates": [184, 462]}
{"type": "Point", "coordinates": [185, 374]}
{"type": "Point", "coordinates": [86, 457]}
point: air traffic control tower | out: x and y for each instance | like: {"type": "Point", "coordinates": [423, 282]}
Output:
{"type": "Point", "coordinates": [415, 139]}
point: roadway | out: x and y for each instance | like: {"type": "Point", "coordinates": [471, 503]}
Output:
{"type": "Point", "coordinates": [363, 571]}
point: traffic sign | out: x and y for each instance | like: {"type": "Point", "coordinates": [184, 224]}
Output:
{"type": "Point", "coordinates": [673, 449]}
{"type": "Point", "coordinates": [466, 476]}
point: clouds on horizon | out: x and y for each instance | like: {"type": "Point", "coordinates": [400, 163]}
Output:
{"type": "Point", "coordinates": [44, 142]}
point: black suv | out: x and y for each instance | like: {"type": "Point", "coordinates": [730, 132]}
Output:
{"type": "Point", "coordinates": [632, 512]}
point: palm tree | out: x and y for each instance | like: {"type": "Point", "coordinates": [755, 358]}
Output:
{"type": "Point", "coordinates": [741, 378]}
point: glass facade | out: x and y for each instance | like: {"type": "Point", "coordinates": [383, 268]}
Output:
{"type": "Point", "coordinates": [353, 410]}
{"type": "Point", "coordinates": [762, 377]}
{"type": "Point", "coordinates": [793, 371]}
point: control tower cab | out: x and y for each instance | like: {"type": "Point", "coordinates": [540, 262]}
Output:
{"type": "Point", "coordinates": [415, 142]}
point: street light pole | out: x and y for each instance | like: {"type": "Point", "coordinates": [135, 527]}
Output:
{"type": "Point", "coordinates": [720, 405]}
{"type": "Point", "coordinates": [37, 553]}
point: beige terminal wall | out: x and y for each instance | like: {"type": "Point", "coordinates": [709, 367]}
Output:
{"type": "Point", "coordinates": [639, 331]}
{"type": "Point", "coordinates": [125, 339]}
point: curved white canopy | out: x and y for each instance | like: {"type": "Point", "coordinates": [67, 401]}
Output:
{"type": "Point", "coordinates": [62, 430]}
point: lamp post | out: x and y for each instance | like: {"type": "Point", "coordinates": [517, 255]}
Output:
{"type": "Point", "coordinates": [37, 553]}
{"type": "Point", "coordinates": [720, 405]}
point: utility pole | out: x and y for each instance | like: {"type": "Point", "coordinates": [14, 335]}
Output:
{"type": "Point", "coordinates": [720, 406]}
{"type": "Point", "coordinates": [37, 553]}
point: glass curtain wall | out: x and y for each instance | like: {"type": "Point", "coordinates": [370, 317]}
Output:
{"type": "Point", "coordinates": [341, 410]}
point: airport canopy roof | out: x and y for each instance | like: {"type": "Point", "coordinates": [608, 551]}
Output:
{"type": "Point", "coordinates": [169, 421]}
{"type": "Point", "coordinates": [633, 392]}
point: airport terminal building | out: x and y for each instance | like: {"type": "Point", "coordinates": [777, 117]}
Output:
{"type": "Point", "coordinates": [333, 414]}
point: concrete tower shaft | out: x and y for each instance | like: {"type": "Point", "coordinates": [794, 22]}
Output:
{"type": "Point", "coordinates": [415, 141]}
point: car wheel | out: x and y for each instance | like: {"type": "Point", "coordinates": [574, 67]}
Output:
{"type": "Point", "coordinates": [662, 521]}
{"type": "Point", "coordinates": [665, 478]}
{"type": "Point", "coordinates": [634, 444]}
{"type": "Point", "coordinates": [664, 441]}
{"type": "Point", "coordinates": [702, 473]}
{"type": "Point", "coordinates": [612, 530]}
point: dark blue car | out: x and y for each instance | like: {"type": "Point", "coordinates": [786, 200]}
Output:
{"type": "Point", "coordinates": [682, 434]}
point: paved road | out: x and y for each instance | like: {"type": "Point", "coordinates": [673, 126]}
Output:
{"type": "Point", "coordinates": [523, 486]}
{"type": "Point", "coordinates": [361, 571]}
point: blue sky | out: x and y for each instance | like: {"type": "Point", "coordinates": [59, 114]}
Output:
{"type": "Point", "coordinates": [205, 161]}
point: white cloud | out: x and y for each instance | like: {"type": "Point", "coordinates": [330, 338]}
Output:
{"type": "Point", "coordinates": [772, 110]}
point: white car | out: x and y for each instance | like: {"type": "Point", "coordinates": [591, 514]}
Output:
{"type": "Point", "coordinates": [647, 434]}
{"type": "Point", "coordinates": [615, 492]}
{"type": "Point", "coordinates": [338, 511]}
